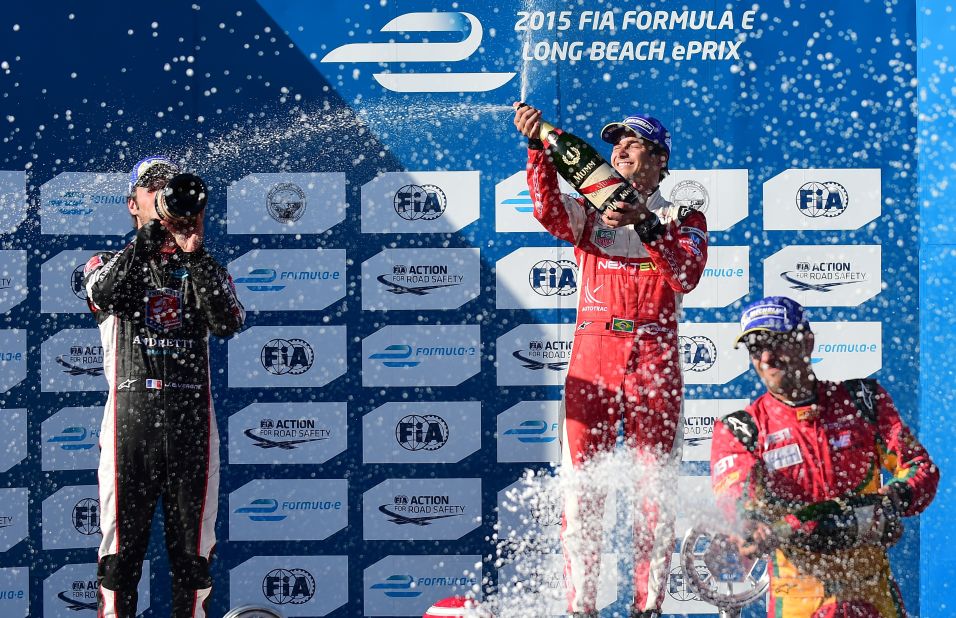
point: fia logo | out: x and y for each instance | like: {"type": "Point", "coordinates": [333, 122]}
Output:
{"type": "Point", "coordinates": [425, 51]}
{"type": "Point", "coordinates": [678, 586]}
{"type": "Point", "coordinates": [288, 586]}
{"type": "Point", "coordinates": [287, 356]}
{"type": "Point", "coordinates": [698, 353]}
{"type": "Point", "coordinates": [427, 432]}
{"type": "Point", "coordinates": [286, 202]}
{"type": "Point", "coordinates": [414, 202]}
{"type": "Point", "coordinates": [822, 199]}
{"type": "Point", "coordinates": [76, 282]}
{"type": "Point", "coordinates": [86, 516]}
{"type": "Point", "coordinates": [554, 278]}
{"type": "Point", "coordinates": [546, 510]}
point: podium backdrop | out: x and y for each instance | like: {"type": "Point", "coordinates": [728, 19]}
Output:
{"type": "Point", "coordinates": [409, 322]}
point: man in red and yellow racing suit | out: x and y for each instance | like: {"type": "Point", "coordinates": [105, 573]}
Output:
{"type": "Point", "coordinates": [806, 445]}
{"type": "Point", "coordinates": [634, 265]}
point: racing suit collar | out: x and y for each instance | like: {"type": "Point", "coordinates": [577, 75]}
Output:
{"type": "Point", "coordinates": [656, 201]}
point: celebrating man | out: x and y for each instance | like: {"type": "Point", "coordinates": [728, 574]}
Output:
{"type": "Point", "coordinates": [634, 264]}
{"type": "Point", "coordinates": [799, 471]}
{"type": "Point", "coordinates": [156, 302]}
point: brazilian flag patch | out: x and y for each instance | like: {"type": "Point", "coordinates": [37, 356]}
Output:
{"type": "Point", "coordinates": [621, 325]}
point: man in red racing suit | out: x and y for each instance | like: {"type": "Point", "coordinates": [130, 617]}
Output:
{"type": "Point", "coordinates": [634, 265]}
{"type": "Point", "coordinates": [802, 455]}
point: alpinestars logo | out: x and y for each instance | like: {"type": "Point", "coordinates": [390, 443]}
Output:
{"type": "Point", "coordinates": [398, 54]}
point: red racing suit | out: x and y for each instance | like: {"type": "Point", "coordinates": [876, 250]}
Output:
{"type": "Point", "coordinates": [773, 458]}
{"type": "Point", "coordinates": [625, 366]}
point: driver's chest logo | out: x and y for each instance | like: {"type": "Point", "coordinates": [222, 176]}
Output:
{"type": "Point", "coordinates": [164, 309]}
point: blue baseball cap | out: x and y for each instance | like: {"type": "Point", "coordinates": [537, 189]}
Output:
{"type": "Point", "coordinates": [773, 314]}
{"type": "Point", "coordinates": [648, 127]}
{"type": "Point", "coordinates": [150, 168]}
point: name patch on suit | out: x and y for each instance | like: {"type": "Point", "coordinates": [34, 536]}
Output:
{"type": "Point", "coordinates": [783, 457]}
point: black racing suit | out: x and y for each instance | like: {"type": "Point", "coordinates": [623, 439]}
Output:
{"type": "Point", "coordinates": [155, 307]}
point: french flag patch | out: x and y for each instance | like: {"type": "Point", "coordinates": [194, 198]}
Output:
{"type": "Point", "coordinates": [156, 385]}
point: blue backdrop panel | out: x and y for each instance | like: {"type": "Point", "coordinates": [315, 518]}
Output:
{"type": "Point", "coordinates": [341, 171]}
{"type": "Point", "coordinates": [937, 160]}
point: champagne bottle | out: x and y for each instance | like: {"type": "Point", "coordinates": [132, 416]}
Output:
{"type": "Point", "coordinates": [182, 199]}
{"type": "Point", "coordinates": [841, 523]}
{"type": "Point", "coordinates": [586, 170]}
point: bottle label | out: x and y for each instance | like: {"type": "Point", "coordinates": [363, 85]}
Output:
{"type": "Point", "coordinates": [601, 184]}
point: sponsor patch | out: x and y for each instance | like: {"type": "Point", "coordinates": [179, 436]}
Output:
{"type": "Point", "coordinates": [783, 457]}
{"type": "Point", "coordinates": [724, 463]}
{"type": "Point", "coordinates": [164, 309]}
{"type": "Point", "coordinates": [93, 263]}
{"type": "Point", "coordinates": [604, 238]}
{"type": "Point", "coordinates": [843, 440]}
{"type": "Point", "coordinates": [696, 234]}
{"type": "Point", "coordinates": [807, 413]}
{"type": "Point", "coordinates": [725, 483]}
{"type": "Point", "coordinates": [778, 437]}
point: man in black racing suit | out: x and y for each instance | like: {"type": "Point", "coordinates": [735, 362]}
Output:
{"type": "Point", "coordinates": [156, 302]}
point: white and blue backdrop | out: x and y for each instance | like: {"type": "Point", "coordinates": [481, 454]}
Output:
{"type": "Point", "coordinates": [409, 323]}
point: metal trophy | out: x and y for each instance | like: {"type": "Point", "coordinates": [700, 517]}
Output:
{"type": "Point", "coordinates": [252, 611]}
{"type": "Point", "coordinates": [715, 571]}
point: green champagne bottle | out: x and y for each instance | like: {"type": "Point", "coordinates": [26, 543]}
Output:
{"type": "Point", "coordinates": [841, 523]}
{"type": "Point", "coordinates": [586, 170]}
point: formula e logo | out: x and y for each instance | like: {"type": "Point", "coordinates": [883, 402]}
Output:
{"type": "Point", "coordinates": [822, 199]}
{"type": "Point", "coordinates": [261, 509]}
{"type": "Point", "coordinates": [534, 432]}
{"type": "Point", "coordinates": [690, 194]}
{"type": "Point", "coordinates": [427, 432]}
{"type": "Point", "coordinates": [259, 280]}
{"type": "Point", "coordinates": [425, 51]}
{"type": "Point", "coordinates": [287, 356]}
{"type": "Point", "coordinates": [288, 586]}
{"type": "Point", "coordinates": [398, 586]}
{"type": "Point", "coordinates": [554, 278]}
{"type": "Point", "coordinates": [286, 202]}
{"type": "Point", "coordinates": [73, 439]}
{"type": "Point", "coordinates": [86, 516]}
{"type": "Point", "coordinates": [396, 356]}
{"type": "Point", "coordinates": [76, 282]}
{"type": "Point", "coordinates": [414, 202]}
{"type": "Point", "coordinates": [698, 353]}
